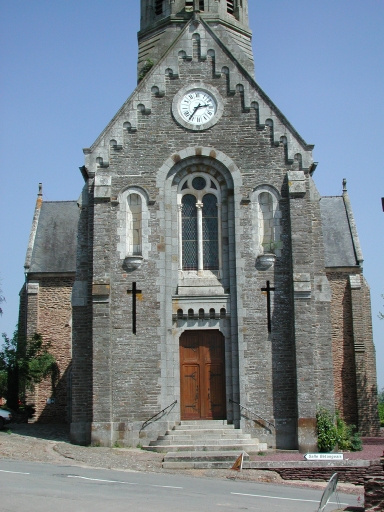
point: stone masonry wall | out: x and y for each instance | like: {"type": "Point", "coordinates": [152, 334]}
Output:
{"type": "Point", "coordinates": [136, 375]}
{"type": "Point", "coordinates": [268, 374]}
{"type": "Point", "coordinates": [82, 349]}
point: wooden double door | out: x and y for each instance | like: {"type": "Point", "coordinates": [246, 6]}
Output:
{"type": "Point", "coordinates": [202, 375]}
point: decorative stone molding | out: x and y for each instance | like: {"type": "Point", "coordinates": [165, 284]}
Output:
{"type": "Point", "coordinates": [100, 292]}
{"type": "Point", "coordinates": [132, 262]}
{"type": "Point", "coordinates": [296, 183]}
{"type": "Point", "coordinates": [102, 187]}
{"type": "Point", "coordinates": [322, 289]}
{"type": "Point", "coordinates": [302, 286]}
{"type": "Point", "coordinates": [355, 281]}
{"type": "Point", "coordinates": [33, 288]}
{"type": "Point", "coordinates": [183, 305]}
{"type": "Point", "coordinates": [265, 261]}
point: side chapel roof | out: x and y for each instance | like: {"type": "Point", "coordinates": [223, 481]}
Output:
{"type": "Point", "coordinates": [55, 238]}
{"type": "Point", "coordinates": [341, 244]}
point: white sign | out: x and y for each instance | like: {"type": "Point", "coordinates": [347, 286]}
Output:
{"type": "Point", "coordinates": [324, 456]}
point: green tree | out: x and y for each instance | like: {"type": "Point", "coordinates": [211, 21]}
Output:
{"type": "Point", "coordinates": [380, 399]}
{"type": "Point", "coordinates": [23, 364]}
{"type": "Point", "coordinates": [2, 299]}
{"type": "Point", "coordinates": [381, 315]}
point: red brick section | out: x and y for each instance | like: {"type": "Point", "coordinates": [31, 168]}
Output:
{"type": "Point", "coordinates": [344, 370]}
{"type": "Point", "coordinates": [354, 356]}
{"type": "Point", "coordinates": [365, 362]}
{"type": "Point", "coordinates": [374, 490]}
{"type": "Point", "coordinates": [352, 475]}
{"type": "Point", "coordinates": [52, 307]}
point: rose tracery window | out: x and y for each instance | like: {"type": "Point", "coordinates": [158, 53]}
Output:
{"type": "Point", "coordinates": [199, 223]}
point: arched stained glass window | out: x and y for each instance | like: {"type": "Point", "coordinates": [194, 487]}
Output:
{"type": "Point", "coordinates": [134, 224]}
{"type": "Point", "coordinates": [210, 233]}
{"type": "Point", "coordinates": [199, 220]}
{"type": "Point", "coordinates": [189, 228]}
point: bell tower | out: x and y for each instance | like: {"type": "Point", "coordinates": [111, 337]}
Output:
{"type": "Point", "coordinates": [162, 21]}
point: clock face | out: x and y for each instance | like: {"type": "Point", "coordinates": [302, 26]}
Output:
{"type": "Point", "coordinates": [197, 107]}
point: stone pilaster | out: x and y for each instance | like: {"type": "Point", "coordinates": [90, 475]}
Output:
{"type": "Point", "coordinates": [81, 378]}
{"type": "Point", "coordinates": [311, 299]}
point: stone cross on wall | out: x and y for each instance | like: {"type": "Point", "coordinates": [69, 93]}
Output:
{"type": "Point", "coordinates": [267, 290]}
{"type": "Point", "coordinates": [134, 293]}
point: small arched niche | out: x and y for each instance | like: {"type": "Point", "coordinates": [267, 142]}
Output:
{"type": "Point", "coordinates": [133, 229]}
{"type": "Point", "coordinates": [266, 219]}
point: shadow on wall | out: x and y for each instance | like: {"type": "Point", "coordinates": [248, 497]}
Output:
{"type": "Point", "coordinates": [348, 370]}
{"type": "Point", "coordinates": [57, 408]}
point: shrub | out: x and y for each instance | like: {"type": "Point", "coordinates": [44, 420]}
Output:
{"type": "Point", "coordinates": [145, 69]}
{"type": "Point", "coordinates": [347, 436]}
{"type": "Point", "coordinates": [326, 430]}
{"type": "Point", "coordinates": [381, 414]}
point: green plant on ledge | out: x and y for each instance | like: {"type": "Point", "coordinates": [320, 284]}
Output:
{"type": "Point", "coordinates": [146, 68]}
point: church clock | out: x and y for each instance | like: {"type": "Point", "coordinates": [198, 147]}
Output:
{"type": "Point", "coordinates": [197, 106]}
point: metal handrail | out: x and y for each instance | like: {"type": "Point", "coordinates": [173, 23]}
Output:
{"type": "Point", "coordinates": [147, 422]}
{"type": "Point", "coordinates": [252, 412]}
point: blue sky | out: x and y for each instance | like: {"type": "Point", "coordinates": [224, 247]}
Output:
{"type": "Point", "coordinates": [67, 67]}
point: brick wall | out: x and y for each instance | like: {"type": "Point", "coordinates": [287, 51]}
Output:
{"type": "Point", "coordinates": [344, 369]}
{"type": "Point", "coordinates": [51, 307]}
{"type": "Point", "coordinates": [354, 357]}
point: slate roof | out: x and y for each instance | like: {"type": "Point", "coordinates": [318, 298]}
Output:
{"type": "Point", "coordinates": [338, 242]}
{"type": "Point", "coordinates": [54, 248]}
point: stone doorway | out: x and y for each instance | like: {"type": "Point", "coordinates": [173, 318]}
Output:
{"type": "Point", "coordinates": [202, 375]}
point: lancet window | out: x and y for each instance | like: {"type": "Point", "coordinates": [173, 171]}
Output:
{"type": "Point", "coordinates": [199, 207]}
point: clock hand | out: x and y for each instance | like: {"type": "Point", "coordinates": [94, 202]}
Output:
{"type": "Point", "coordinates": [194, 112]}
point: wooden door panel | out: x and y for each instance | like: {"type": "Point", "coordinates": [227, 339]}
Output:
{"type": "Point", "coordinates": [214, 348]}
{"type": "Point", "coordinates": [189, 349]}
{"type": "Point", "coordinates": [202, 375]}
{"type": "Point", "coordinates": [214, 376]}
{"type": "Point", "coordinates": [190, 384]}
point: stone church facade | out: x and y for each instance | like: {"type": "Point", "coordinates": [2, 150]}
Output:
{"type": "Point", "coordinates": [208, 277]}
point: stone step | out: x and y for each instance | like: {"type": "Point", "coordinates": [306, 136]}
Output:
{"type": "Point", "coordinates": [200, 442]}
{"type": "Point", "coordinates": [213, 431]}
{"type": "Point", "coordinates": [198, 435]}
{"type": "Point", "coordinates": [202, 460]}
{"type": "Point", "coordinates": [250, 448]}
{"type": "Point", "coordinates": [204, 426]}
{"type": "Point", "coordinates": [203, 422]}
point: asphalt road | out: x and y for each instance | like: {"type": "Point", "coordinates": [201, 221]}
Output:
{"type": "Point", "coordinates": [41, 487]}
